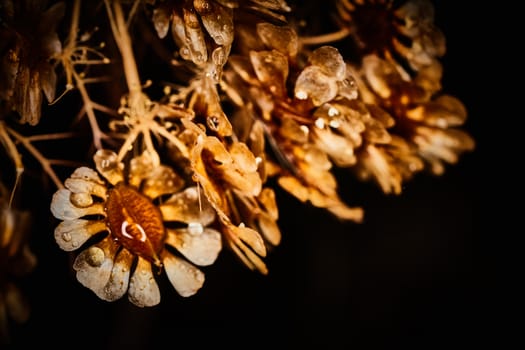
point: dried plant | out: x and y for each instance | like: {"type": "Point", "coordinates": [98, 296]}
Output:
{"type": "Point", "coordinates": [186, 115]}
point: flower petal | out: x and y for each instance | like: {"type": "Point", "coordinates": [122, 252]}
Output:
{"type": "Point", "coordinates": [119, 279]}
{"type": "Point", "coordinates": [185, 277]}
{"type": "Point", "coordinates": [201, 249]}
{"type": "Point", "coordinates": [94, 265]}
{"type": "Point", "coordinates": [188, 207]}
{"type": "Point", "coordinates": [71, 234]}
{"type": "Point", "coordinates": [143, 289]}
{"type": "Point", "coordinates": [63, 209]}
{"type": "Point", "coordinates": [107, 164]}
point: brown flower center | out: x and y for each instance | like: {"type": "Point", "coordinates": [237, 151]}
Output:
{"type": "Point", "coordinates": [135, 222]}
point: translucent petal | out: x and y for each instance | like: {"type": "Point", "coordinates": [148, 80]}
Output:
{"type": "Point", "coordinates": [248, 257]}
{"type": "Point", "coordinates": [162, 180]}
{"type": "Point", "coordinates": [293, 131]}
{"type": "Point", "coordinates": [339, 149]}
{"type": "Point", "coordinates": [217, 20]}
{"type": "Point", "coordinates": [195, 37]}
{"type": "Point", "coordinates": [188, 206]}
{"type": "Point", "coordinates": [249, 236]}
{"type": "Point", "coordinates": [269, 229]}
{"type": "Point", "coordinates": [201, 249]}
{"type": "Point", "coordinates": [313, 84]}
{"type": "Point", "coordinates": [71, 234]}
{"type": "Point", "coordinates": [185, 277]}
{"type": "Point", "coordinates": [281, 38]}
{"type": "Point", "coordinates": [63, 209]}
{"type": "Point", "coordinates": [107, 164]}
{"type": "Point", "coordinates": [17, 305]}
{"type": "Point", "coordinates": [161, 21]}
{"type": "Point", "coordinates": [269, 203]}
{"type": "Point", "coordinates": [143, 289]}
{"type": "Point", "coordinates": [330, 61]}
{"type": "Point", "coordinates": [48, 80]}
{"type": "Point", "coordinates": [445, 111]}
{"type": "Point", "coordinates": [271, 68]}
{"type": "Point", "coordinates": [243, 157]}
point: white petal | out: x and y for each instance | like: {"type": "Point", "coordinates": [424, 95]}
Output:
{"type": "Point", "coordinates": [93, 267]}
{"type": "Point", "coordinates": [119, 279]}
{"type": "Point", "coordinates": [185, 277]}
{"type": "Point", "coordinates": [86, 186]}
{"type": "Point", "coordinates": [143, 289]}
{"type": "Point", "coordinates": [86, 174]}
{"type": "Point", "coordinates": [201, 249]}
{"type": "Point", "coordinates": [63, 209]}
{"type": "Point", "coordinates": [71, 234]}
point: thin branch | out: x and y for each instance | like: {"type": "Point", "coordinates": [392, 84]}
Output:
{"type": "Point", "coordinates": [325, 38]}
{"type": "Point", "coordinates": [46, 165]}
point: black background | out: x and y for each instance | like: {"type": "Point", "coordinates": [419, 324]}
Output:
{"type": "Point", "coordinates": [412, 274]}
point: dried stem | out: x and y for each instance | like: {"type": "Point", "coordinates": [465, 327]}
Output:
{"type": "Point", "coordinates": [46, 165]}
{"type": "Point", "coordinates": [325, 38]}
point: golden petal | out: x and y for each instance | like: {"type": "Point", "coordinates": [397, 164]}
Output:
{"type": "Point", "coordinates": [339, 148]}
{"type": "Point", "coordinates": [202, 249]}
{"type": "Point", "coordinates": [143, 289]}
{"type": "Point", "coordinates": [248, 257]}
{"type": "Point", "coordinates": [281, 38]}
{"type": "Point", "coordinates": [377, 165]}
{"type": "Point", "coordinates": [269, 229]}
{"type": "Point", "coordinates": [16, 303]}
{"type": "Point", "coordinates": [243, 157]}
{"type": "Point", "coordinates": [330, 61]}
{"type": "Point", "coordinates": [161, 21]}
{"type": "Point", "coordinates": [185, 277]}
{"type": "Point", "coordinates": [268, 201]}
{"type": "Point", "coordinates": [217, 20]}
{"type": "Point", "coordinates": [188, 206]}
{"type": "Point", "coordinates": [107, 164]}
{"type": "Point", "coordinates": [312, 83]}
{"type": "Point", "coordinates": [249, 236]}
{"type": "Point", "coordinates": [71, 234]}
{"type": "Point", "coordinates": [271, 68]}
{"type": "Point", "coordinates": [162, 180]}
{"type": "Point", "coordinates": [194, 37]}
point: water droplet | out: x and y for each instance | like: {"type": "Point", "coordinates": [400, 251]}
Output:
{"type": "Point", "coordinates": [74, 244]}
{"type": "Point", "coordinates": [66, 236]}
{"type": "Point", "coordinates": [301, 94]}
{"type": "Point", "coordinates": [332, 111]}
{"type": "Point", "coordinates": [195, 228]}
{"type": "Point", "coordinates": [105, 159]}
{"type": "Point", "coordinates": [334, 123]}
{"type": "Point", "coordinates": [319, 123]}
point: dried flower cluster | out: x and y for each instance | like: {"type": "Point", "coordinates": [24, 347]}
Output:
{"type": "Point", "coordinates": [191, 112]}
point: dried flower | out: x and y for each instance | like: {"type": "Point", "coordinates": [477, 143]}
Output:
{"type": "Point", "coordinates": [123, 223]}
{"type": "Point", "coordinates": [306, 145]}
{"type": "Point", "coordinates": [29, 43]}
{"type": "Point", "coordinates": [16, 261]}
{"type": "Point", "coordinates": [404, 33]}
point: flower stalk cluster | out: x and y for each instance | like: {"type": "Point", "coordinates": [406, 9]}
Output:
{"type": "Point", "coordinates": [195, 112]}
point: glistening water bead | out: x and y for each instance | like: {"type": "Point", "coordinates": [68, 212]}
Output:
{"type": "Point", "coordinates": [135, 222]}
